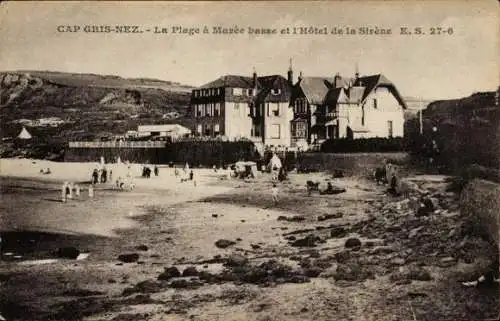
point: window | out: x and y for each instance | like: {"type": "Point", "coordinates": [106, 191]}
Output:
{"type": "Point", "coordinates": [216, 129]}
{"type": "Point", "coordinates": [375, 103]}
{"type": "Point", "coordinates": [199, 129]}
{"type": "Point", "coordinates": [237, 91]}
{"type": "Point", "coordinates": [250, 92]}
{"type": "Point", "coordinates": [300, 129]}
{"type": "Point", "coordinates": [236, 106]}
{"type": "Point", "coordinates": [275, 131]}
{"type": "Point", "coordinates": [362, 115]}
{"type": "Point", "coordinates": [208, 130]}
{"type": "Point", "coordinates": [276, 109]}
{"type": "Point", "coordinates": [196, 93]}
{"type": "Point", "coordinates": [275, 91]}
{"type": "Point", "coordinates": [300, 106]}
{"type": "Point", "coordinates": [217, 109]}
{"type": "Point", "coordinates": [390, 128]}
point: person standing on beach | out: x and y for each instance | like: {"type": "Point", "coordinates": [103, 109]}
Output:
{"type": "Point", "coordinates": [63, 191]}
{"type": "Point", "coordinates": [69, 190]}
{"type": "Point", "coordinates": [91, 191]}
{"type": "Point", "coordinates": [95, 176]}
{"type": "Point", "coordinates": [274, 192]}
{"type": "Point", "coordinates": [77, 190]}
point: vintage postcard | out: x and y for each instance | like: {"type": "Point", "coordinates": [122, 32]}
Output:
{"type": "Point", "coordinates": [249, 160]}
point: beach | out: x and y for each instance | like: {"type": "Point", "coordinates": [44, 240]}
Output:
{"type": "Point", "coordinates": [225, 233]}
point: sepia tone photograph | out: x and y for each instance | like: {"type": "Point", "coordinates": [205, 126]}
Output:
{"type": "Point", "coordinates": [249, 160]}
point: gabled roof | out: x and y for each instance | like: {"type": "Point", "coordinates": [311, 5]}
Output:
{"type": "Point", "coordinates": [333, 96]}
{"type": "Point", "coordinates": [316, 88]}
{"type": "Point", "coordinates": [276, 82]}
{"type": "Point", "coordinates": [232, 81]}
{"type": "Point", "coordinates": [374, 81]}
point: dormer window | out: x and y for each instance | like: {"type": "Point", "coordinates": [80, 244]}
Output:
{"type": "Point", "coordinates": [275, 91]}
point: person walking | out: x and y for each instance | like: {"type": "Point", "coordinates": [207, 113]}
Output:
{"type": "Point", "coordinates": [274, 192]}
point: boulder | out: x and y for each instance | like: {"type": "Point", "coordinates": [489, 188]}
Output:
{"type": "Point", "coordinates": [68, 252]}
{"type": "Point", "coordinates": [142, 247]}
{"type": "Point", "coordinates": [128, 257]}
{"type": "Point", "coordinates": [183, 284]}
{"type": "Point", "coordinates": [168, 273]}
{"type": "Point", "coordinates": [190, 271]}
{"type": "Point", "coordinates": [353, 243]}
{"type": "Point", "coordinates": [338, 231]}
{"type": "Point", "coordinates": [222, 244]}
{"type": "Point", "coordinates": [236, 260]}
{"type": "Point", "coordinates": [308, 241]}
{"type": "Point", "coordinates": [330, 216]}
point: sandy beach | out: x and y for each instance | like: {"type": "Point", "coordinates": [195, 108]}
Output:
{"type": "Point", "coordinates": [289, 261]}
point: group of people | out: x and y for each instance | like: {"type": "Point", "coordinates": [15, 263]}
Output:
{"type": "Point", "coordinates": [70, 189]}
{"type": "Point", "coordinates": [146, 171]}
{"type": "Point", "coordinates": [186, 174]}
{"type": "Point", "coordinates": [101, 175]}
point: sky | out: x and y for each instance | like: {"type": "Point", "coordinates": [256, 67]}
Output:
{"type": "Point", "coordinates": [428, 66]}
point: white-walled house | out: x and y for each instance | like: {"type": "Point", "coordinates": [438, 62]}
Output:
{"type": "Point", "coordinates": [360, 107]}
{"type": "Point", "coordinates": [255, 108]}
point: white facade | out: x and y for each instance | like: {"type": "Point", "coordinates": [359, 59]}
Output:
{"type": "Point", "coordinates": [277, 124]}
{"type": "Point", "coordinates": [237, 122]}
{"type": "Point", "coordinates": [381, 115]}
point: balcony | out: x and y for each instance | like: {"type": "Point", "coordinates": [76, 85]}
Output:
{"type": "Point", "coordinates": [331, 115]}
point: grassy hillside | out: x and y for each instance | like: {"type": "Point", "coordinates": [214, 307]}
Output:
{"type": "Point", "coordinates": [467, 130]}
{"type": "Point", "coordinates": [86, 103]}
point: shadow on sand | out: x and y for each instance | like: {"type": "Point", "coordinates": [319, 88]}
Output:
{"type": "Point", "coordinates": [43, 245]}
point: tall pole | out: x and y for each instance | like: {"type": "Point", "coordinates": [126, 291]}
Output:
{"type": "Point", "coordinates": [420, 117]}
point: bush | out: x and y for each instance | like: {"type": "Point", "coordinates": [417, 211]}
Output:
{"type": "Point", "coordinates": [210, 152]}
{"type": "Point", "coordinates": [364, 145]}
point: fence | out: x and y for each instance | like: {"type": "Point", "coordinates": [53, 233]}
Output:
{"type": "Point", "coordinates": [194, 152]}
{"type": "Point", "coordinates": [118, 144]}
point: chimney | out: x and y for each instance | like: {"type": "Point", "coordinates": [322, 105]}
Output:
{"type": "Point", "coordinates": [254, 78]}
{"type": "Point", "coordinates": [290, 73]}
{"type": "Point", "coordinates": [356, 74]}
{"type": "Point", "coordinates": [300, 76]}
{"type": "Point", "coordinates": [338, 80]}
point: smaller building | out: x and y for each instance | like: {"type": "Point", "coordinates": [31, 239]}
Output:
{"type": "Point", "coordinates": [167, 130]}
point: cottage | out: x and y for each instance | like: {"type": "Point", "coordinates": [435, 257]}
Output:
{"type": "Point", "coordinates": [359, 107]}
{"type": "Point", "coordinates": [172, 131]}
